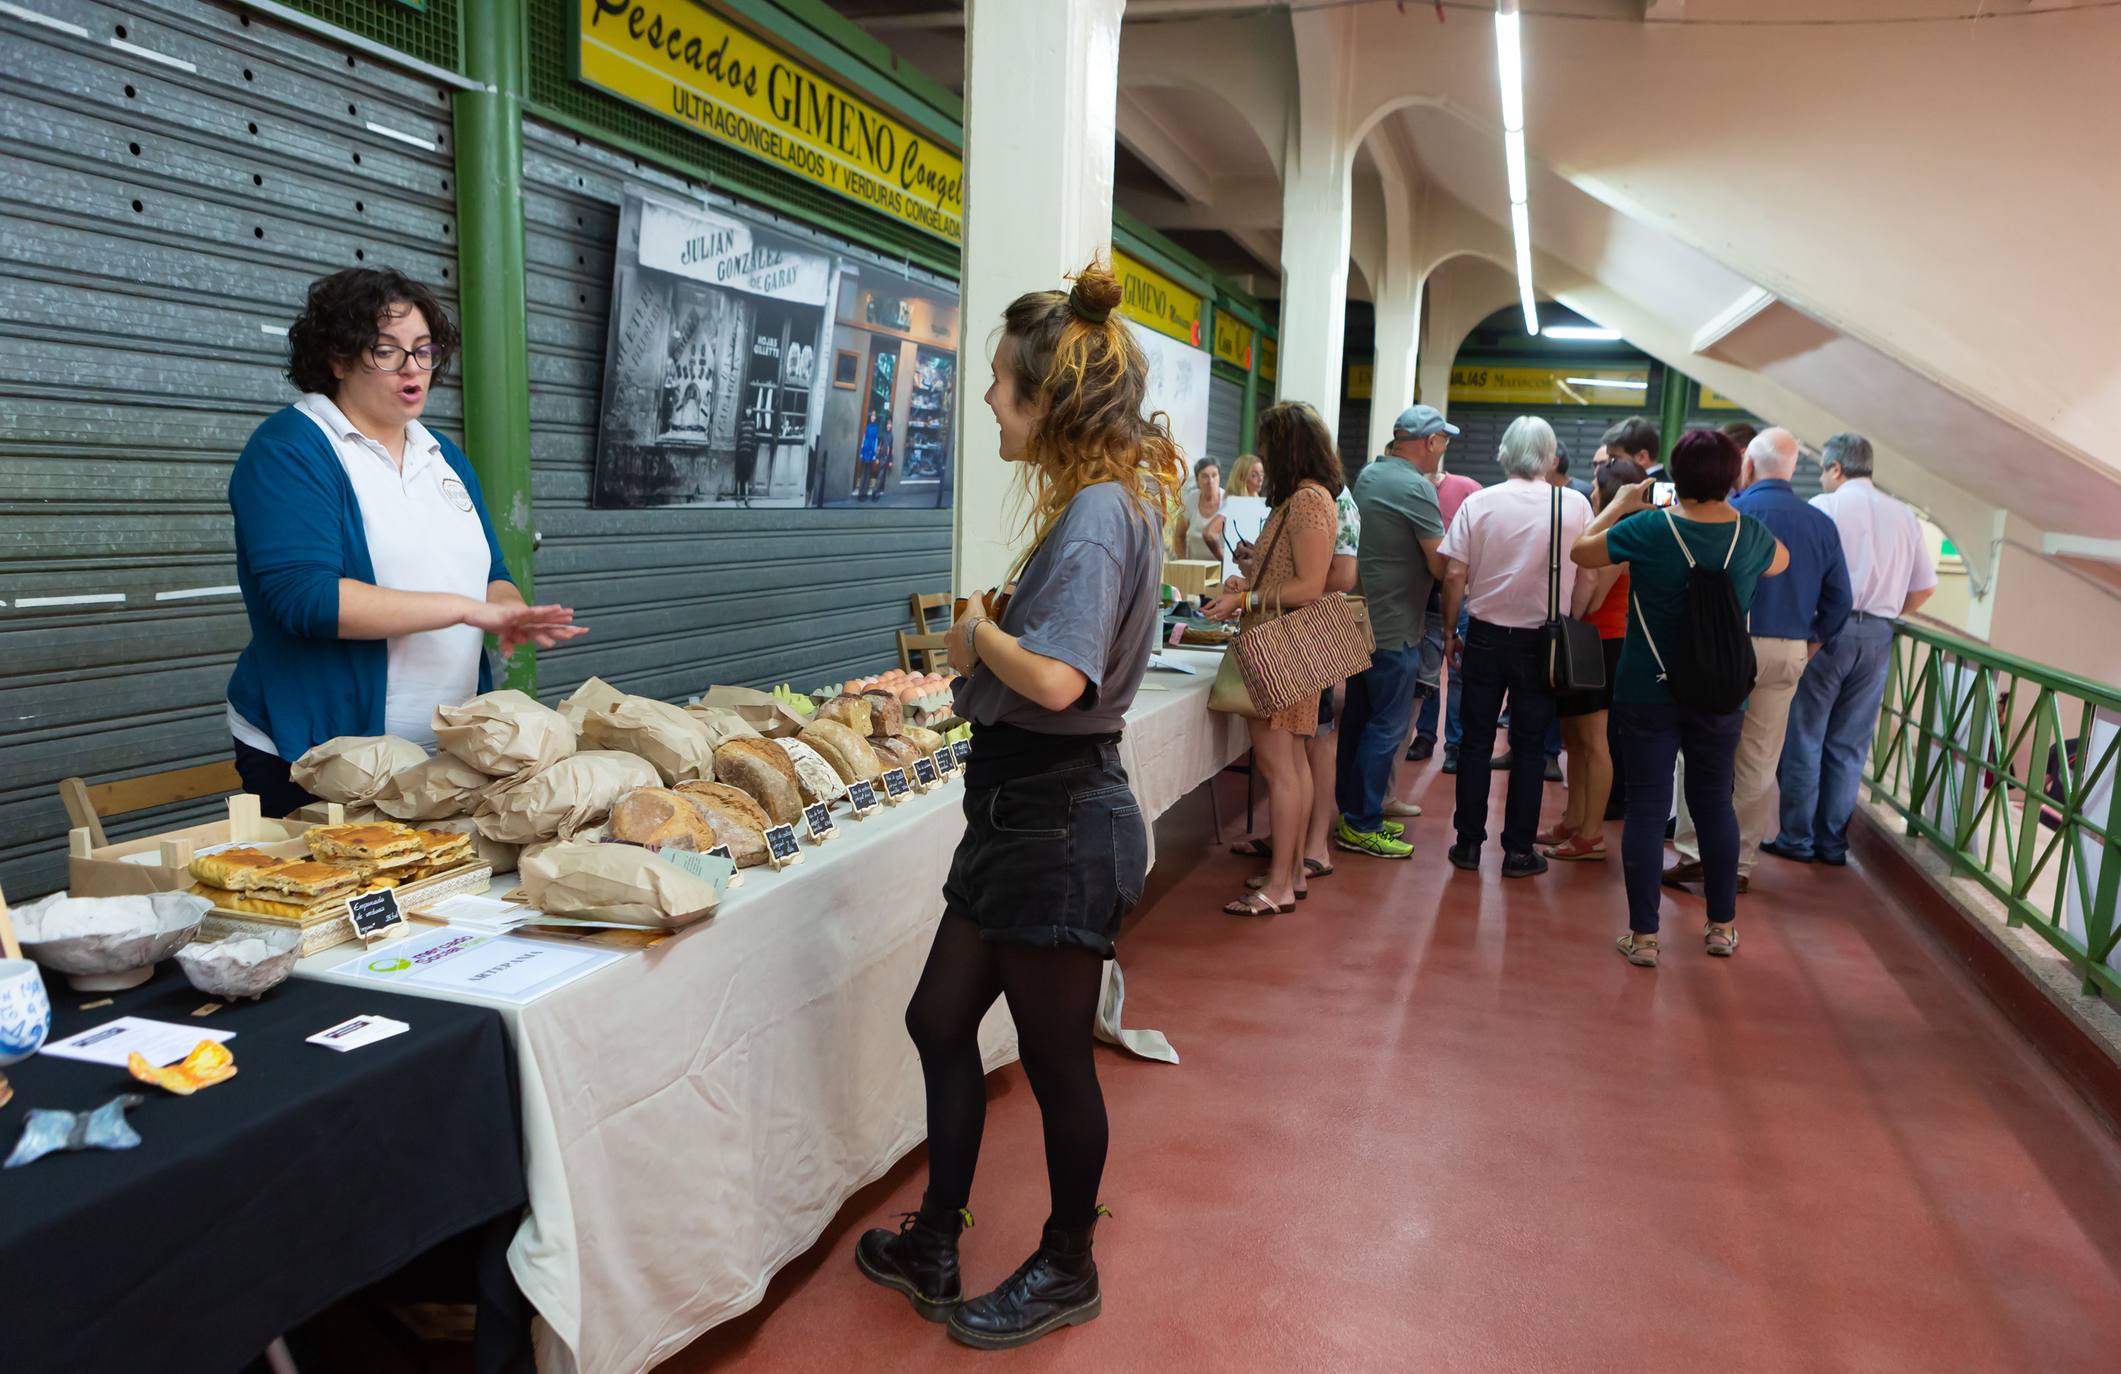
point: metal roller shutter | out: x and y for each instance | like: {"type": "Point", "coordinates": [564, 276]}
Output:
{"type": "Point", "coordinates": [178, 174]}
{"type": "Point", "coordinates": [1226, 421]}
{"type": "Point", "coordinates": [678, 599]}
{"type": "Point", "coordinates": [1354, 435]}
{"type": "Point", "coordinates": [1480, 437]}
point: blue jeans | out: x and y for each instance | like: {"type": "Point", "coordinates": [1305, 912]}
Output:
{"type": "Point", "coordinates": [1831, 723]}
{"type": "Point", "coordinates": [1652, 738]}
{"type": "Point", "coordinates": [1498, 661]}
{"type": "Point", "coordinates": [1425, 724]}
{"type": "Point", "coordinates": [1373, 726]}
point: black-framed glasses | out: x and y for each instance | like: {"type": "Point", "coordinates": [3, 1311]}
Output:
{"type": "Point", "coordinates": [391, 358]}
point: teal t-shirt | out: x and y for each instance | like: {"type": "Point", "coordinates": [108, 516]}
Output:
{"type": "Point", "coordinates": [1657, 585]}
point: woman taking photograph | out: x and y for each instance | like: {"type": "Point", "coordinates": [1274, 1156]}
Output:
{"type": "Point", "coordinates": [369, 569]}
{"type": "Point", "coordinates": [1295, 554]}
{"type": "Point", "coordinates": [1661, 548]}
{"type": "Point", "coordinates": [1581, 833]}
{"type": "Point", "coordinates": [1054, 851]}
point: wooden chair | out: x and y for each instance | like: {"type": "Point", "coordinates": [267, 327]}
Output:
{"type": "Point", "coordinates": [929, 651]}
{"type": "Point", "coordinates": [923, 604]}
{"type": "Point", "coordinates": [86, 805]}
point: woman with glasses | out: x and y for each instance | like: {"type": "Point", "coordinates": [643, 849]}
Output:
{"type": "Point", "coordinates": [369, 568]}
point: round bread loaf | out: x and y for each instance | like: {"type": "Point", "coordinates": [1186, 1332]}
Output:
{"type": "Point", "coordinates": [887, 714]}
{"type": "Point", "coordinates": [760, 769]}
{"type": "Point", "coordinates": [655, 818]}
{"type": "Point", "coordinates": [736, 819]}
{"type": "Point", "coordinates": [850, 711]}
{"type": "Point", "coordinates": [818, 780]}
{"type": "Point", "coordinates": [848, 753]}
{"type": "Point", "coordinates": [896, 752]}
{"type": "Point", "coordinates": [927, 741]}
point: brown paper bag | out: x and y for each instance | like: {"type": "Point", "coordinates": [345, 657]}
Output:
{"type": "Point", "coordinates": [588, 699]}
{"type": "Point", "coordinates": [504, 734]}
{"type": "Point", "coordinates": [434, 790]}
{"type": "Point", "coordinates": [354, 768]}
{"type": "Point", "coordinates": [572, 795]}
{"type": "Point", "coordinates": [760, 710]}
{"type": "Point", "coordinates": [722, 723]}
{"type": "Point", "coordinates": [676, 744]}
{"type": "Point", "coordinates": [615, 882]}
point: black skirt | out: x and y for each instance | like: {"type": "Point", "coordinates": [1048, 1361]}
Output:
{"type": "Point", "coordinates": [1055, 851]}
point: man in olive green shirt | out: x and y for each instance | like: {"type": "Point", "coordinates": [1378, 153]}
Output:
{"type": "Point", "coordinates": [1397, 562]}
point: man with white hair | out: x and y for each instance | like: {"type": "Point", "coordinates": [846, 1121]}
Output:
{"type": "Point", "coordinates": [1497, 553]}
{"type": "Point", "coordinates": [1794, 613]}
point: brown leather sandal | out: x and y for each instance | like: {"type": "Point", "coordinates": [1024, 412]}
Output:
{"type": "Point", "coordinates": [1641, 950]}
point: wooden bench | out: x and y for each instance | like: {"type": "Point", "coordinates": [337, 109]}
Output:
{"type": "Point", "coordinates": [87, 805]}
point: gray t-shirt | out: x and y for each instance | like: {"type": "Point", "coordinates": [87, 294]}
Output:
{"type": "Point", "coordinates": [1399, 510]}
{"type": "Point", "coordinates": [1089, 598]}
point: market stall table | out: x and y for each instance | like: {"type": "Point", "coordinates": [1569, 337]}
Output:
{"type": "Point", "coordinates": [255, 1203]}
{"type": "Point", "coordinates": [695, 1115]}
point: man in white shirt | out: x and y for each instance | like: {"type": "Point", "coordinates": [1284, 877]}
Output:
{"type": "Point", "coordinates": [1836, 708]}
{"type": "Point", "coordinates": [1499, 551]}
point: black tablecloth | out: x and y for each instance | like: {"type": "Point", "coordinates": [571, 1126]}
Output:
{"type": "Point", "coordinates": [256, 1203]}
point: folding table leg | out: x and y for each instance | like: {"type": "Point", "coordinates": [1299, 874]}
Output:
{"type": "Point", "coordinates": [278, 1359]}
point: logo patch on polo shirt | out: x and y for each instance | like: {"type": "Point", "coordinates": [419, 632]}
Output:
{"type": "Point", "coordinates": [454, 490]}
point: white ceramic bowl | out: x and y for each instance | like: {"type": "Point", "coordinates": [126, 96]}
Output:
{"type": "Point", "coordinates": [241, 966]}
{"type": "Point", "coordinates": [25, 1011]}
{"type": "Point", "coordinates": [105, 944]}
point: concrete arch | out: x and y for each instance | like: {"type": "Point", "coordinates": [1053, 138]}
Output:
{"type": "Point", "coordinates": [1243, 63]}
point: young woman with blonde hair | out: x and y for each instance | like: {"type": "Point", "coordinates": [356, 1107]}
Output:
{"type": "Point", "coordinates": [1055, 851]}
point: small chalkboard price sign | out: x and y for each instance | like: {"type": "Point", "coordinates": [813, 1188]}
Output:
{"type": "Point", "coordinates": [946, 760]}
{"type": "Point", "coordinates": [861, 797]}
{"type": "Point", "coordinates": [782, 847]}
{"type": "Point", "coordinates": [963, 750]}
{"type": "Point", "coordinates": [373, 914]}
{"type": "Point", "coordinates": [817, 818]}
{"type": "Point", "coordinates": [736, 877]}
{"type": "Point", "coordinates": [895, 785]}
{"type": "Point", "coordinates": [924, 774]}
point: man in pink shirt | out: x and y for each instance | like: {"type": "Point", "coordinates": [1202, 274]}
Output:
{"type": "Point", "coordinates": [1452, 489]}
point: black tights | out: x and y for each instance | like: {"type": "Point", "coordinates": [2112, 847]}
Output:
{"type": "Point", "coordinates": [1053, 996]}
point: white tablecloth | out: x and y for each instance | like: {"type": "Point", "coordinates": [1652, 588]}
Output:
{"type": "Point", "coordinates": [695, 1115]}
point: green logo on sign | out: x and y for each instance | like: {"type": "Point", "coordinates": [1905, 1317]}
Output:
{"type": "Point", "coordinates": [389, 965]}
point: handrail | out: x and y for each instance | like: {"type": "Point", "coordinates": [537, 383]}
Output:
{"type": "Point", "coordinates": [1963, 734]}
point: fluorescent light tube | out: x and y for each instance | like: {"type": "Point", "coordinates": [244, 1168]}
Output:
{"type": "Point", "coordinates": [1613, 382]}
{"type": "Point", "coordinates": [1513, 157]}
{"type": "Point", "coordinates": [1582, 333]}
{"type": "Point", "coordinates": [1509, 59]}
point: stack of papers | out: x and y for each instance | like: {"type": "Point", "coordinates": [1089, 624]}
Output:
{"type": "Point", "coordinates": [479, 912]}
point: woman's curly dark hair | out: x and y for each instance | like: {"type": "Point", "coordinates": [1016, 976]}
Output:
{"type": "Point", "coordinates": [341, 321]}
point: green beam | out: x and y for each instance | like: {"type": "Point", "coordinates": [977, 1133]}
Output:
{"type": "Point", "coordinates": [1248, 422]}
{"type": "Point", "coordinates": [493, 287]}
{"type": "Point", "coordinates": [1672, 414]}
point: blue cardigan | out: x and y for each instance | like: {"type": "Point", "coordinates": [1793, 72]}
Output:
{"type": "Point", "coordinates": [298, 531]}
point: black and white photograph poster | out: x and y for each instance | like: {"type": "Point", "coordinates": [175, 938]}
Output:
{"type": "Point", "coordinates": [719, 330]}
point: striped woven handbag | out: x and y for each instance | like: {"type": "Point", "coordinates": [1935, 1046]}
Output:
{"type": "Point", "coordinates": [1286, 655]}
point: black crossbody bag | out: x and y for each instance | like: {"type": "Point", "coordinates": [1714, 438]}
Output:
{"type": "Point", "coordinates": [1571, 657]}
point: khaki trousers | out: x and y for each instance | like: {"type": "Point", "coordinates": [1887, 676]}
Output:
{"type": "Point", "coordinates": [1767, 714]}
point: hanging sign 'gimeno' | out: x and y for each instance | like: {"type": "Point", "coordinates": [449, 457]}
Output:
{"type": "Point", "coordinates": [696, 68]}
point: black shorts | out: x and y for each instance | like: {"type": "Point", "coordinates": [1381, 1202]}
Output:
{"type": "Point", "coordinates": [1055, 851]}
{"type": "Point", "coordinates": [1590, 703]}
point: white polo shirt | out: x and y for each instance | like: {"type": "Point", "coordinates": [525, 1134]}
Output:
{"type": "Point", "coordinates": [1502, 534]}
{"type": "Point", "coordinates": [424, 535]}
{"type": "Point", "coordinates": [1888, 554]}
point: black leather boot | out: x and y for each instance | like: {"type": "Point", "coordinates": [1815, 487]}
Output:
{"type": "Point", "coordinates": [1056, 1287]}
{"type": "Point", "coordinates": [919, 1259]}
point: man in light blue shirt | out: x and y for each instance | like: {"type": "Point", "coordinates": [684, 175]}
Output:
{"type": "Point", "coordinates": [1793, 613]}
{"type": "Point", "coordinates": [1836, 709]}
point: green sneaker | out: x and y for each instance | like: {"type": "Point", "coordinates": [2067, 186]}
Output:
{"type": "Point", "coordinates": [1375, 843]}
{"type": "Point", "coordinates": [1396, 829]}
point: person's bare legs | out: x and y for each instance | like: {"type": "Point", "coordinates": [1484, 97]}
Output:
{"type": "Point", "coordinates": [1281, 757]}
{"type": "Point", "coordinates": [1578, 750]}
{"type": "Point", "coordinates": [1322, 752]}
{"type": "Point", "coordinates": [1597, 773]}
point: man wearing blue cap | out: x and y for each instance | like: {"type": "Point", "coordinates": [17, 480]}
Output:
{"type": "Point", "coordinates": [1397, 562]}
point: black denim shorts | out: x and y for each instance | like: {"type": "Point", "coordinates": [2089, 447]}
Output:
{"type": "Point", "coordinates": [1055, 851]}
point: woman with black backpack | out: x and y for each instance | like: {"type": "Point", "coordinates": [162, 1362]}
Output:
{"type": "Point", "coordinates": [1686, 669]}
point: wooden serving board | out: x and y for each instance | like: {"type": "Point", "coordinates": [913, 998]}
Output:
{"type": "Point", "coordinates": [327, 925]}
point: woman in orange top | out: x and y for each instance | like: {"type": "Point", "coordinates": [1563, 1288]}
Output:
{"type": "Point", "coordinates": [1581, 832]}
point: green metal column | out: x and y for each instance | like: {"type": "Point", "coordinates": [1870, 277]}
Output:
{"type": "Point", "coordinates": [493, 293]}
{"type": "Point", "coordinates": [1248, 424]}
{"type": "Point", "coordinates": [1672, 414]}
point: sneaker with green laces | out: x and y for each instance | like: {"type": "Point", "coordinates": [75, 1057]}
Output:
{"type": "Point", "coordinates": [1375, 843]}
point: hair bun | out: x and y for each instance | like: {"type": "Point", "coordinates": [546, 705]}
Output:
{"type": "Point", "coordinates": [1096, 294]}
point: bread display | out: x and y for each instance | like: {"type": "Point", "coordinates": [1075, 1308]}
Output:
{"type": "Point", "coordinates": [927, 741]}
{"type": "Point", "coordinates": [850, 711]}
{"type": "Point", "coordinates": [353, 769]}
{"type": "Point", "coordinates": [560, 801]}
{"type": "Point", "coordinates": [676, 743]}
{"type": "Point", "coordinates": [887, 714]}
{"type": "Point", "coordinates": [816, 779]}
{"type": "Point", "coordinates": [925, 698]}
{"type": "Point", "coordinates": [722, 724]}
{"type": "Point", "coordinates": [848, 753]}
{"type": "Point", "coordinates": [235, 870]}
{"type": "Point", "coordinates": [896, 752]}
{"type": "Point", "coordinates": [736, 819]}
{"type": "Point", "coordinates": [439, 788]}
{"type": "Point", "coordinates": [504, 734]}
{"type": "Point", "coordinates": [657, 818]}
{"type": "Point", "coordinates": [759, 768]}
{"type": "Point", "coordinates": [306, 878]}
{"type": "Point", "coordinates": [374, 843]}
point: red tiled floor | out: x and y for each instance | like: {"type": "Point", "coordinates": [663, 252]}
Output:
{"type": "Point", "coordinates": [1434, 1122]}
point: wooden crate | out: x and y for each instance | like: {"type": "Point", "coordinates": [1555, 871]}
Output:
{"type": "Point", "coordinates": [161, 863]}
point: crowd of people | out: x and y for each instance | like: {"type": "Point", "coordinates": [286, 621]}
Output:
{"type": "Point", "coordinates": [1744, 634]}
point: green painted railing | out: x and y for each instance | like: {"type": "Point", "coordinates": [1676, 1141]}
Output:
{"type": "Point", "coordinates": [2010, 769]}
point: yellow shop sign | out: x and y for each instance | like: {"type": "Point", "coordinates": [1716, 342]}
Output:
{"type": "Point", "coordinates": [1154, 300]}
{"type": "Point", "coordinates": [690, 65]}
{"type": "Point", "coordinates": [1623, 387]}
{"type": "Point", "coordinates": [1713, 400]}
{"type": "Point", "coordinates": [1233, 341]}
{"type": "Point", "coordinates": [1269, 350]}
